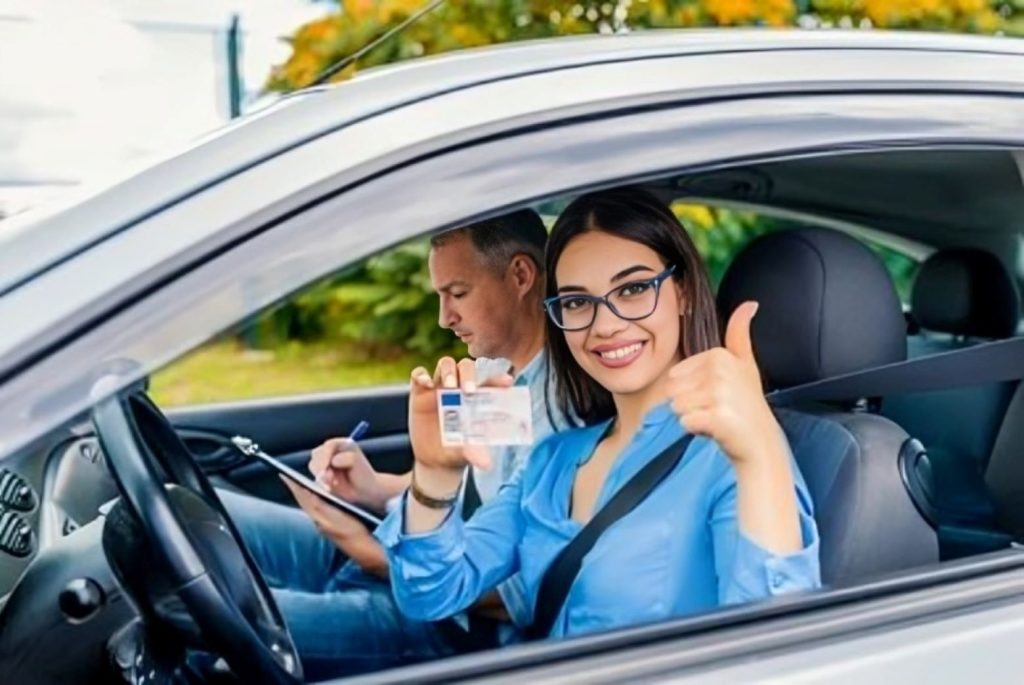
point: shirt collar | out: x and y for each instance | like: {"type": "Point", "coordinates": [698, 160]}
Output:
{"type": "Point", "coordinates": [532, 369]}
{"type": "Point", "coordinates": [654, 421]}
{"type": "Point", "coordinates": [657, 415]}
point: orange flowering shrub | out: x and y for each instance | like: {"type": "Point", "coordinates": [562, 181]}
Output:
{"type": "Point", "coordinates": [974, 16]}
{"type": "Point", "coordinates": [470, 23]}
{"type": "Point", "coordinates": [747, 12]}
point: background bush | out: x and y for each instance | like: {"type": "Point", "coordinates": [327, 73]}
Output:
{"type": "Point", "coordinates": [385, 304]}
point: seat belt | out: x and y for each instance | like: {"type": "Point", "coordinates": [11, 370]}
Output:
{"type": "Point", "coordinates": [992, 362]}
{"type": "Point", "coordinates": [560, 575]}
{"type": "Point", "coordinates": [470, 496]}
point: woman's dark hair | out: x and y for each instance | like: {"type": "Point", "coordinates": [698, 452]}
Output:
{"type": "Point", "coordinates": [639, 216]}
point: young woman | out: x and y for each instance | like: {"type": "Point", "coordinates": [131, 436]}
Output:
{"type": "Point", "coordinates": [633, 341]}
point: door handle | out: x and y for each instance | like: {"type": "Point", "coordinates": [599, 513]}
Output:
{"type": "Point", "coordinates": [212, 451]}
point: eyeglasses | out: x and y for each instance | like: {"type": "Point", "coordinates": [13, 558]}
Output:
{"type": "Point", "coordinates": [630, 301]}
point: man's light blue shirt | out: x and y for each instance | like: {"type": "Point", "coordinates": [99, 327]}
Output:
{"type": "Point", "coordinates": [679, 552]}
{"type": "Point", "coordinates": [506, 461]}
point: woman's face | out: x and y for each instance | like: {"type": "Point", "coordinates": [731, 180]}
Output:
{"type": "Point", "coordinates": [625, 357]}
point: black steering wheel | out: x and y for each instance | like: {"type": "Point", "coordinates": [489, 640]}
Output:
{"type": "Point", "coordinates": [202, 560]}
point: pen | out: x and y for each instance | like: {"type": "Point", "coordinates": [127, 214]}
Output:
{"type": "Point", "coordinates": [359, 431]}
{"type": "Point", "coordinates": [357, 434]}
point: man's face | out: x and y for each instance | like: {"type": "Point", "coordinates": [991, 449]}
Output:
{"type": "Point", "coordinates": [477, 304]}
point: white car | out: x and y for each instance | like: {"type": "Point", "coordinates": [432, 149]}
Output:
{"type": "Point", "coordinates": [910, 141]}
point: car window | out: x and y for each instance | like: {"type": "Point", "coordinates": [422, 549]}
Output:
{"type": "Point", "coordinates": [369, 324]}
{"type": "Point", "coordinates": [366, 325]}
{"type": "Point", "coordinates": [901, 266]}
{"type": "Point", "coordinates": [720, 233]}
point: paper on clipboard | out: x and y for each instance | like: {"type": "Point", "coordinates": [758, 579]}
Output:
{"type": "Point", "coordinates": [250, 449]}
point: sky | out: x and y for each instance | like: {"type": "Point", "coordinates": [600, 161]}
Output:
{"type": "Point", "coordinates": [91, 87]}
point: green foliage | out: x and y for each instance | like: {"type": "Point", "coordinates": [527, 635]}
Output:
{"type": "Point", "coordinates": [385, 304]}
{"type": "Point", "coordinates": [902, 268]}
{"type": "Point", "coordinates": [719, 234]}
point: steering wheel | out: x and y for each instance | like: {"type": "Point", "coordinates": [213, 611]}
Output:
{"type": "Point", "coordinates": [202, 559]}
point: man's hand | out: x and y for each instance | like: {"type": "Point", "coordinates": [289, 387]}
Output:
{"type": "Point", "coordinates": [343, 469]}
{"type": "Point", "coordinates": [344, 530]}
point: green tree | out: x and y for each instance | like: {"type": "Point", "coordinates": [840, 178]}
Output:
{"type": "Point", "coordinates": [386, 304]}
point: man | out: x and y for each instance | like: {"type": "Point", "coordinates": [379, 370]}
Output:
{"type": "Point", "coordinates": [328, 572]}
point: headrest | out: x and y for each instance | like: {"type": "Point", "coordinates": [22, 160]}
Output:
{"type": "Point", "coordinates": [965, 291]}
{"type": "Point", "coordinates": [827, 306]}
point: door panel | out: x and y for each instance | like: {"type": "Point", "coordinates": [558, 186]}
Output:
{"type": "Point", "coordinates": [212, 451]}
{"type": "Point", "coordinates": [289, 428]}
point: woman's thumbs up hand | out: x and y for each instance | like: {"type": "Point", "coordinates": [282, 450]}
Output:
{"type": "Point", "coordinates": [718, 393]}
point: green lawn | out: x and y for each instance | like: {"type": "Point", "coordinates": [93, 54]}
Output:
{"type": "Point", "coordinates": [225, 371]}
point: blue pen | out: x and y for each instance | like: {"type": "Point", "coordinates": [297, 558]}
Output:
{"type": "Point", "coordinates": [357, 434]}
{"type": "Point", "coordinates": [359, 431]}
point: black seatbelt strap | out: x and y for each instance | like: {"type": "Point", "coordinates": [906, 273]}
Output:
{"type": "Point", "coordinates": [560, 575]}
{"type": "Point", "coordinates": [470, 496]}
{"type": "Point", "coordinates": [992, 362]}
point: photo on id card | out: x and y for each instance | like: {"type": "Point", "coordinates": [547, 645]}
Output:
{"type": "Point", "coordinates": [489, 416]}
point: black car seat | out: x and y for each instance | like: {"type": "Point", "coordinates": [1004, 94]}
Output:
{"type": "Point", "coordinates": [828, 307]}
{"type": "Point", "coordinates": [961, 297]}
{"type": "Point", "coordinates": [1004, 474]}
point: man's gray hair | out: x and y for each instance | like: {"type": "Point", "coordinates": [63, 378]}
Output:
{"type": "Point", "coordinates": [498, 239]}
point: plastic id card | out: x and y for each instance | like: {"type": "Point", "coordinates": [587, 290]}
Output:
{"type": "Point", "coordinates": [489, 416]}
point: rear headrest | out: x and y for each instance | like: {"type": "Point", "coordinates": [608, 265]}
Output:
{"type": "Point", "coordinates": [828, 305]}
{"type": "Point", "coordinates": [965, 291]}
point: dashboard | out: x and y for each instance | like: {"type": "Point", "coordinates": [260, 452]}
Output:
{"type": "Point", "coordinates": [46, 493]}
{"type": "Point", "coordinates": [17, 498]}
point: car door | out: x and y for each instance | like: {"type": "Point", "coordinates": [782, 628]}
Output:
{"type": "Point", "coordinates": [502, 171]}
{"type": "Point", "coordinates": [290, 428]}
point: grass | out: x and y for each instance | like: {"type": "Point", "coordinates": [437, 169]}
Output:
{"type": "Point", "coordinates": [224, 371]}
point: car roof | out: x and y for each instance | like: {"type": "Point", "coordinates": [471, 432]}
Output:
{"type": "Point", "coordinates": [31, 245]}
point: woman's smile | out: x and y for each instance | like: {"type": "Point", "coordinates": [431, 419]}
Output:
{"type": "Point", "coordinates": [616, 355]}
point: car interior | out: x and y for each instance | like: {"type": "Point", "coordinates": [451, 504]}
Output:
{"type": "Point", "coordinates": [901, 481]}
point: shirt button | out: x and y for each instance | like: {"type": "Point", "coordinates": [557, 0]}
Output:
{"type": "Point", "coordinates": [778, 580]}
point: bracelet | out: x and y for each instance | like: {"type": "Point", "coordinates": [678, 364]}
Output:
{"type": "Point", "coordinates": [428, 501]}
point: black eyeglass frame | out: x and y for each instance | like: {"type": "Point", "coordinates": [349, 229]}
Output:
{"type": "Point", "coordinates": [656, 281]}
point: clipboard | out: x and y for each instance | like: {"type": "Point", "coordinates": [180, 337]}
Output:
{"type": "Point", "coordinates": [252, 450]}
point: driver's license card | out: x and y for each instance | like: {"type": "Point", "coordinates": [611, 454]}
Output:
{"type": "Point", "coordinates": [489, 416]}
